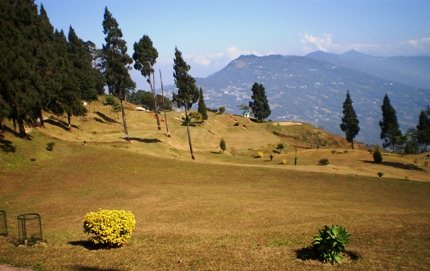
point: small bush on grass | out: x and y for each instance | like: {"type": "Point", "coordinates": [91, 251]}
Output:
{"type": "Point", "coordinates": [50, 146]}
{"type": "Point", "coordinates": [259, 154]}
{"type": "Point", "coordinates": [330, 243]}
{"type": "Point", "coordinates": [111, 228]}
{"type": "Point", "coordinates": [222, 145]}
{"type": "Point", "coordinates": [380, 174]}
{"type": "Point", "coordinates": [324, 162]}
{"type": "Point", "coordinates": [377, 156]}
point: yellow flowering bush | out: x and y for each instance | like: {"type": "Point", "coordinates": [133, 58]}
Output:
{"type": "Point", "coordinates": [259, 154]}
{"type": "Point", "coordinates": [109, 227]}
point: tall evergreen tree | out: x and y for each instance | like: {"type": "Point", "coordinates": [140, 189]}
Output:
{"type": "Point", "coordinates": [349, 121]}
{"type": "Point", "coordinates": [80, 57]}
{"type": "Point", "coordinates": [423, 127]}
{"type": "Point", "coordinates": [145, 56]}
{"type": "Point", "coordinates": [67, 98]}
{"type": "Point", "coordinates": [202, 109]}
{"type": "Point", "coordinates": [97, 61]}
{"type": "Point", "coordinates": [117, 63]}
{"type": "Point", "coordinates": [19, 81]}
{"type": "Point", "coordinates": [188, 94]}
{"type": "Point", "coordinates": [260, 106]}
{"type": "Point", "coordinates": [390, 131]}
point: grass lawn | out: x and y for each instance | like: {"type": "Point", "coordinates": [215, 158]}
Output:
{"type": "Point", "coordinates": [196, 216]}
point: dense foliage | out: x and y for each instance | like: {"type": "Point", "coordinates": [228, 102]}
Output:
{"type": "Point", "coordinates": [390, 131]}
{"type": "Point", "coordinates": [109, 227]}
{"type": "Point", "coordinates": [146, 99]}
{"type": "Point", "coordinates": [40, 69]}
{"type": "Point", "coordinates": [259, 105]}
{"type": "Point", "coordinates": [350, 121]}
{"type": "Point", "coordinates": [377, 156]}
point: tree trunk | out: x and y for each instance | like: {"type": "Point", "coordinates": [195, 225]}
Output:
{"type": "Point", "coordinates": [21, 128]}
{"type": "Point", "coordinates": [69, 122]}
{"type": "Point", "coordinates": [164, 106]}
{"type": "Point", "coordinates": [42, 122]}
{"type": "Point", "coordinates": [14, 124]}
{"type": "Point", "coordinates": [352, 143]}
{"type": "Point", "coordinates": [189, 135]}
{"type": "Point", "coordinates": [152, 85]}
{"type": "Point", "coordinates": [124, 121]}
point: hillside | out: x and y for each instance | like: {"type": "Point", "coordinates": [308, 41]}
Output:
{"type": "Point", "coordinates": [101, 128]}
{"type": "Point", "coordinates": [313, 90]}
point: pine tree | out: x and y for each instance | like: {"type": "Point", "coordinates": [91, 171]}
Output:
{"type": "Point", "coordinates": [4, 112]}
{"type": "Point", "coordinates": [349, 121]}
{"type": "Point", "coordinates": [423, 127]}
{"type": "Point", "coordinates": [260, 106]}
{"type": "Point", "coordinates": [145, 56]}
{"type": "Point", "coordinates": [67, 98]}
{"type": "Point", "coordinates": [188, 93]}
{"type": "Point", "coordinates": [19, 81]}
{"type": "Point", "coordinates": [202, 106]}
{"type": "Point", "coordinates": [80, 57]}
{"type": "Point", "coordinates": [390, 131]}
{"type": "Point", "coordinates": [117, 63]}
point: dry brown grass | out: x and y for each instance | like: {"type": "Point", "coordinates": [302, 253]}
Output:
{"type": "Point", "coordinates": [195, 216]}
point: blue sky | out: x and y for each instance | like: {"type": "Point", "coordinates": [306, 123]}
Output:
{"type": "Point", "coordinates": [210, 33]}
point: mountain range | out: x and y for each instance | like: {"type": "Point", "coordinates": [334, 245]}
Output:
{"type": "Point", "coordinates": [312, 88]}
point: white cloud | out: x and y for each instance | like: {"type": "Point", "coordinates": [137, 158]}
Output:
{"type": "Point", "coordinates": [312, 42]}
{"type": "Point", "coordinates": [217, 58]}
{"type": "Point", "coordinates": [420, 43]}
{"type": "Point", "coordinates": [326, 43]}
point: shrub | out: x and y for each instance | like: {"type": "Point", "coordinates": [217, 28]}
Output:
{"type": "Point", "coordinates": [259, 154]}
{"type": "Point", "coordinates": [323, 162]}
{"type": "Point", "coordinates": [50, 146]}
{"type": "Point", "coordinates": [280, 147]}
{"type": "Point", "coordinates": [380, 174]}
{"type": "Point", "coordinates": [113, 102]}
{"type": "Point", "coordinates": [271, 157]}
{"type": "Point", "coordinates": [221, 110]}
{"type": "Point", "coordinates": [330, 243]}
{"type": "Point", "coordinates": [222, 145]}
{"type": "Point", "coordinates": [377, 156]}
{"type": "Point", "coordinates": [109, 227]}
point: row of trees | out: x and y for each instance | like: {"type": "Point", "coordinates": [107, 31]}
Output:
{"type": "Point", "coordinates": [390, 131]}
{"type": "Point", "coordinates": [41, 69]}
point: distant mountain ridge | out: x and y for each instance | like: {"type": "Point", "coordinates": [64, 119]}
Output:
{"type": "Point", "coordinates": [312, 89]}
{"type": "Point", "coordinates": [412, 70]}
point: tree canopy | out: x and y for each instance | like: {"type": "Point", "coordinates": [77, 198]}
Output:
{"type": "Point", "coordinates": [259, 105]}
{"type": "Point", "coordinates": [390, 131]}
{"type": "Point", "coordinates": [350, 123]}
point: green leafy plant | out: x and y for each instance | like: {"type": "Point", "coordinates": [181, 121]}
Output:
{"type": "Point", "coordinates": [221, 110]}
{"type": "Point", "coordinates": [330, 243]}
{"type": "Point", "coordinates": [377, 156]}
{"type": "Point", "coordinates": [109, 227]}
{"type": "Point", "coordinates": [222, 145]}
{"type": "Point", "coordinates": [50, 146]}
{"type": "Point", "coordinates": [323, 162]}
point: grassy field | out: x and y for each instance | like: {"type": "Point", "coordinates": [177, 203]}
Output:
{"type": "Point", "coordinates": [221, 212]}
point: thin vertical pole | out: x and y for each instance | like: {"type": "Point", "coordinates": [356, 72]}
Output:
{"type": "Point", "coordinates": [164, 105]}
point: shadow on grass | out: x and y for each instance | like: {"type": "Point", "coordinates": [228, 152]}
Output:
{"type": "Point", "coordinates": [308, 253]}
{"type": "Point", "coordinates": [6, 145]}
{"type": "Point", "coordinates": [144, 140]}
{"type": "Point", "coordinates": [398, 165]}
{"type": "Point", "coordinates": [105, 118]}
{"type": "Point", "coordinates": [59, 123]}
{"type": "Point", "coordinates": [80, 267]}
{"type": "Point", "coordinates": [90, 245]}
{"type": "Point", "coordinates": [215, 152]}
